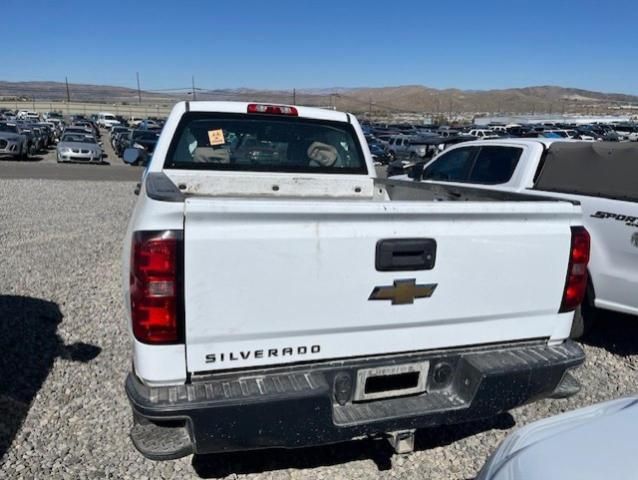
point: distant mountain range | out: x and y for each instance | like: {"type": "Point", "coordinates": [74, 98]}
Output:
{"type": "Point", "coordinates": [408, 98]}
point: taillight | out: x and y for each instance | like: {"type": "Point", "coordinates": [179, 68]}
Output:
{"type": "Point", "coordinates": [272, 109]}
{"type": "Point", "coordinates": [156, 259]}
{"type": "Point", "coordinates": [576, 284]}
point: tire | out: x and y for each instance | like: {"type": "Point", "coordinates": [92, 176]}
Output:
{"type": "Point", "coordinates": [22, 155]}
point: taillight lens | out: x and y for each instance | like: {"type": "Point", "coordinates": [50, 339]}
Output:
{"type": "Point", "coordinates": [272, 109]}
{"type": "Point", "coordinates": [156, 259]}
{"type": "Point", "coordinates": [576, 284]}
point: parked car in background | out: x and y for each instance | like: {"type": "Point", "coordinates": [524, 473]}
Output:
{"type": "Point", "coordinates": [589, 135]}
{"type": "Point", "coordinates": [37, 137]}
{"type": "Point", "coordinates": [398, 146]}
{"type": "Point", "coordinates": [118, 129]}
{"type": "Point", "coordinates": [115, 134]}
{"type": "Point", "coordinates": [379, 154]}
{"type": "Point", "coordinates": [49, 133]}
{"type": "Point", "coordinates": [590, 443]}
{"type": "Point", "coordinates": [149, 124]}
{"type": "Point", "coordinates": [78, 147]}
{"type": "Point", "coordinates": [30, 116]}
{"type": "Point", "coordinates": [53, 115]}
{"type": "Point", "coordinates": [13, 143]}
{"type": "Point", "coordinates": [601, 176]}
{"type": "Point", "coordinates": [89, 125]}
{"type": "Point", "coordinates": [142, 139]}
{"type": "Point", "coordinates": [134, 121]}
{"type": "Point", "coordinates": [79, 128]}
{"type": "Point", "coordinates": [106, 120]}
{"type": "Point", "coordinates": [482, 133]}
{"type": "Point", "coordinates": [627, 132]}
{"type": "Point", "coordinates": [446, 131]}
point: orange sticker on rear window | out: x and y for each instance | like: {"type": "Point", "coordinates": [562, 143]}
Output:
{"type": "Point", "coordinates": [216, 137]}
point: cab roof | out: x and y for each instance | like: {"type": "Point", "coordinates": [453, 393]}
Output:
{"type": "Point", "coordinates": [242, 107]}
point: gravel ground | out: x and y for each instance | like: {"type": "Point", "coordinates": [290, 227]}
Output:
{"type": "Point", "coordinates": [63, 412]}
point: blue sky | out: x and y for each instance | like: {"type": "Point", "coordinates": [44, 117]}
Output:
{"type": "Point", "coordinates": [320, 44]}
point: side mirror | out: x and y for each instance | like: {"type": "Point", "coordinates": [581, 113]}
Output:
{"type": "Point", "coordinates": [416, 172]}
{"type": "Point", "coordinates": [133, 156]}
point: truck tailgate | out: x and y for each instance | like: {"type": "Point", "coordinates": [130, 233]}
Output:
{"type": "Point", "coordinates": [277, 281]}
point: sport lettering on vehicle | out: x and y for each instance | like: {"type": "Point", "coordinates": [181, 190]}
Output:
{"type": "Point", "coordinates": [258, 354]}
{"type": "Point", "coordinates": [630, 221]}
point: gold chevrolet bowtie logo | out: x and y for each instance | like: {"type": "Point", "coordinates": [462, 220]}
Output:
{"type": "Point", "coordinates": [403, 292]}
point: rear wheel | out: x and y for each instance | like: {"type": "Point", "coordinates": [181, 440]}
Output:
{"type": "Point", "coordinates": [24, 153]}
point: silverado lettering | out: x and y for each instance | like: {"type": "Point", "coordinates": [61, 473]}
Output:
{"type": "Point", "coordinates": [271, 352]}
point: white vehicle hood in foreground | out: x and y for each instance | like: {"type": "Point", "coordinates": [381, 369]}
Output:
{"type": "Point", "coordinates": [592, 443]}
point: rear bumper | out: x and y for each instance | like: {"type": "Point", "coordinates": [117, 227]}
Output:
{"type": "Point", "coordinates": [297, 407]}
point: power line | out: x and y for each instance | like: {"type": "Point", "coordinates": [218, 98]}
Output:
{"type": "Point", "coordinates": [139, 92]}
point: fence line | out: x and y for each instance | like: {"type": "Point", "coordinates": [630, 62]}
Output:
{"type": "Point", "coordinates": [87, 108]}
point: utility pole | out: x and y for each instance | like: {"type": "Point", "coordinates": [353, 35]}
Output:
{"type": "Point", "coordinates": [294, 96]}
{"type": "Point", "coordinates": [139, 92]}
{"type": "Point", "coordinates": [68, 95]}
{"type": "Point", "coordinates": [194, 94]}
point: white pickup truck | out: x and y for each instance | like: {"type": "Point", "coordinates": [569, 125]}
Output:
{"type": "Point", "coordinates": [279, 295]}
{"type": "Point", "coordinates": [601, 176]}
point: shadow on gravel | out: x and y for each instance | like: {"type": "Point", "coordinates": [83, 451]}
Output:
{"type": "Point", "coordinates": [379, 451]}
{"type": "Point", "coordinates": [615, 332]}
{"type": "Point", "coordinates": [29, 344]}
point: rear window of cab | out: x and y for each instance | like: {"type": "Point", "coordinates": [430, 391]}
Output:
{"type": "Point", "coordinates": [262, 142]}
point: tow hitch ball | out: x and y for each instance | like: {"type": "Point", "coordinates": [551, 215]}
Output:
{"type": "Point", "coordinates": [401, 441]}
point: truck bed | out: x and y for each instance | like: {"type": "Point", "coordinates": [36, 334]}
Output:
{"type": "Point", "coordinates": [401, 190]}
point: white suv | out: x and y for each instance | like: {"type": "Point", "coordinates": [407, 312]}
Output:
{"type": "Point", "coordinates": [107, 120]}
